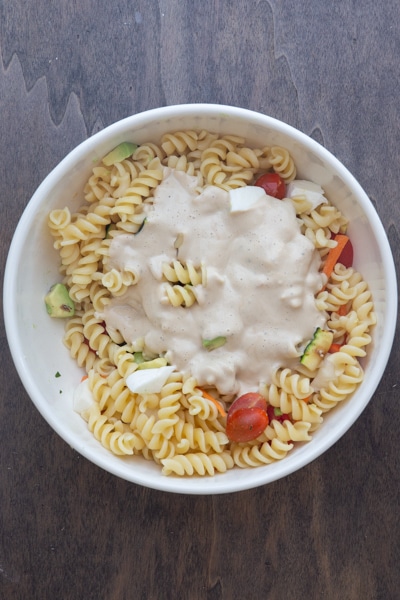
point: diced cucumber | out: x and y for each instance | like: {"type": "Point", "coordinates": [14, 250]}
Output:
{"type": "Point", "coordinates": [316, 349]}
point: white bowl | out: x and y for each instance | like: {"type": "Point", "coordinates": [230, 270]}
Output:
{"type": "Point", "coordinates": [32, 267]}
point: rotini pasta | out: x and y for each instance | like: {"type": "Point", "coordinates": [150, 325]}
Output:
{"type": "Point", "coordinates": [282, 163]}
{"type": "Point", "coordinates": [179, 295]}
{"type": "Point", "coordinates": [258, 455]}
{"type": "Point", "coordinates": [182, 424]}
{"type": "Point", "coordinates": [177, 272]}
{"type": "Point", "coordinates": [197, 463]}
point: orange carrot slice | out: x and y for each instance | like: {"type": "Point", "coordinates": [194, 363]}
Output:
{"type": "Point", "coordinates": [334, 348]}
{"type": "Point", "coordinates": [335, 253]}
{"type": "Point", "coordinates": [219, 406]}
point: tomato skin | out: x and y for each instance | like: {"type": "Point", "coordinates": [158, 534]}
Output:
{"type": "Point", "coordinates": [272, 184]}
{"type": "Point", "coordinates": [249, 400]}
{"type": "Point", "coordinates": [271, 411]}
{"type": "Point", "coordinates": [247, 417]}
{"type": "Point", "coordinates": [246, 424]}
{"type": "Point", "coordinates": [347, 254]}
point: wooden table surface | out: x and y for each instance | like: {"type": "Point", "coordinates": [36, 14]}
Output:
{"type": "Point", "coordinates": [68, 530]}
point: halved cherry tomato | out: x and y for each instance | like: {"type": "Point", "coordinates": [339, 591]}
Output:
{"type": "Point", "coordinates": [249, 400]}
{"type": "Point", "coordinates": [346, 257]}
{"type": "Point", "coordinates": [347, 254]}
{"type": "Point", "coordinates": [247, 417]}
{"type": "Point", "coordinates": [246, 424]}
{"type": "Point", "coordinates": [273, 185]}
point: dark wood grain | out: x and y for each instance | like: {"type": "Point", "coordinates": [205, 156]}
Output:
{"type": "Point", "coordinates": [69, 530]}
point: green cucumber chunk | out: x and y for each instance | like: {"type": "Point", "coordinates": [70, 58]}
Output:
{"type": "Point", "coordinates": [316, 349]}
{"type": "Point", "coordinates": [119, 153]}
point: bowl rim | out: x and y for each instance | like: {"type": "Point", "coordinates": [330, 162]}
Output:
{"type": "Point", "coordinates": [197, 485]}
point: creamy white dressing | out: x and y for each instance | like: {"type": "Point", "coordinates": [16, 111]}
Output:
{"type": "Point", "coordinates": [262, 276]}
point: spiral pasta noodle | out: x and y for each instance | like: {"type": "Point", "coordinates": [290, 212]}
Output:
{"type": "Point", "coordinates": [197, 463]}
{"type": "Point", "coordinates": [140, 189]}
{"type": "Point", "coordinates": [179, 295]}
{"type": "Point", "coordinates": [177, 272]}
{"type": "Point", "coordinates": [300, 410]}
{"type": "Point", "coordinates": [282, 163]}
{"type": "Point", "coordinates": [258, 455]}
{"type": "Point", "coordinates": [292, 383]}
{"type": "Point", "coordinates": [182, 427]}
{"type": "Point", "coordinates": [110, 434]}
{"type": "Point", "coordinates": [180, 142]}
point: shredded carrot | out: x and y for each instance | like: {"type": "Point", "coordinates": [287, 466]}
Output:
{"type": "Point", "coordinates": [342, 311]}
{"type": "Point", "coordinates": [219, 406]}
{"type": "Point", "coordinates": [84, 377]}
{"type": "Point", "coordinates": [334, 348]}
{"type": "Point", "coordinates": [307, 400]}
{"type": "Point", "coordinates": [334, 253]}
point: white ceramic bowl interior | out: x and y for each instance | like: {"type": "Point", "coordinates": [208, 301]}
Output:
{"type": "Point", "coordinates": [32, 267]}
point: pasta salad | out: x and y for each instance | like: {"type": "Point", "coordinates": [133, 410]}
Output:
{"type": "Point", "coordinates": [211, 302]}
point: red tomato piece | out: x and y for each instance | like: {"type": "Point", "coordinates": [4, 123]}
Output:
{"type": "Point", "coordinates": [272, 184]}
{"type": "Point", "coordinates": [277, 414]}
{"type": "Point", "coordinates": [346, 256]}
{"type": "Point", "coordinates": [246, 424]}
{"type": "Point", "coordinates": [249, 400]}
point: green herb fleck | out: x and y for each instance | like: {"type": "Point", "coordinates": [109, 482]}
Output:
{"type": "Point", "coordinates": [58, 374]}
{"type": "Point", "coordinates": [141, 225]}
